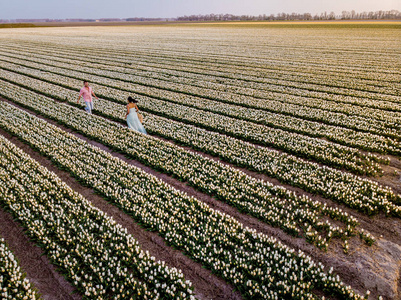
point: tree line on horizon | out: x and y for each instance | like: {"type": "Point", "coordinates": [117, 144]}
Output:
{"type": "Point", "coordinates": [345, 15]}
{"type": "Point", "coordinates": [84, 20]}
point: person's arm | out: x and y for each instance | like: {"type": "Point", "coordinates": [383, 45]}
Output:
{"type": "Point", "coordinates": [136, 107]}
{"type": "Point", "coordinates": [80, 95]}
{"type": "Point", "coordinates": [127, 112]}
{"type": "Point", "coordinates": [93, 94]}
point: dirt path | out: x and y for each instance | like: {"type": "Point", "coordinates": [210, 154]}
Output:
{"type": "Point", "coordinates": [347, 266]}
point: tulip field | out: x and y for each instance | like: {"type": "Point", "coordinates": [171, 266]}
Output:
{"type": "Point", "coordinates": [272, 161]}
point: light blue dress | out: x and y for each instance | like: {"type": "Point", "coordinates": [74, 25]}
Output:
{"type": "Point", "coordinates": [133, 121]}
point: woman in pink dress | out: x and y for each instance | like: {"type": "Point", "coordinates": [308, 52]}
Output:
{"type": "Point", "coordinates": [86, 92]}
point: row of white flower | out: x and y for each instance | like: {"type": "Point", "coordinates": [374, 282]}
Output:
{"type": "Point", "coordinates": [258, 265]}
{"type": "Point", "coordinates": [95, 254]}
{"type": "Point", "coordinates": [339, 186]}
{"type": "Point", "coordinates": [350, 137]}
{"type": "Point", "coordinates": [257, 65]}
{"type": "Point", "coordinates": [267, 203]}
{"type": "Point", "coordinates": [329, 153]}
{"type": "Point", "coordinates": [13, 284]}
{"type": "Point", "coordinates": [365, 64]}
{"type": "Point", "coordinates": [280, 81]}
{"type": "Point", "coordinates": [140, 61]}
{"type": "Point", "coordinates": [274, 205]}
{"type": "Point", "coordinates": [253, 64]}
{"type": "Point", "coordinates": [190, 78]}
{"type": "Point", "coordinates": [238, 78]}
{"type": "Point", "coordinates": [309, 108]}
{"type": "Point", "coordinates": [209, 100]}
{"type": "Point", "coordinates": [281, 165]}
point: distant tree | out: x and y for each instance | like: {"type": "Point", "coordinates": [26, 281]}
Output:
{"type": "Point", "coordinates": [345, 15]}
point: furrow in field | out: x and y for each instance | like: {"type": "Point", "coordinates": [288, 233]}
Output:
{"type": "Point", "coordinates": [287, 169]}
{"type": "Point", "coordinates": [388, 125]}
{"type": "Point", "coordinates": [210, 54]}
{"type": "Point", "coordinates": [94, 253]}
{"type": "Point", "coordinates": [342, 263]}
{"type": "Point", "coordinates": [286, 88]}
{"type": "Point", "coordinates": [206, 285]}
{"type": "Point", "coordinates": [242, 256]}
{"type": "Point", "coordinates": [321, 150]}
{"type": "Point", "coordinates": [264, 200]}
{"type": "Point", "coordinates": [363, 141]}
{"type": "Point", "coordinates": [277, 98]}
{"type": "Point", "coordinates": [272, 78]}
{"type": "Point", "coordinates": [177, 164]}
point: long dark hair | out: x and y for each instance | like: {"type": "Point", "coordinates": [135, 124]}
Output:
{"type": "Point", "coordinates": [132, 100]}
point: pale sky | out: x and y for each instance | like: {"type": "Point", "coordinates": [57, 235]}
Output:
{"type": "Point", "coordinates": [94, 9]}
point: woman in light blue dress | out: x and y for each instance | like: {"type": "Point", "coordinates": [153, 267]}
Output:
{"type": "Point", "coordinates": [132, 116]}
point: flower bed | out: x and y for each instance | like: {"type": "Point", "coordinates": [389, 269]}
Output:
{"type": "Point", "coordinates": [13, 284]}
{"type": "Point", "coordinates": [258, 265]}
{"type": "Point", "coordinates": [93, 252]}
